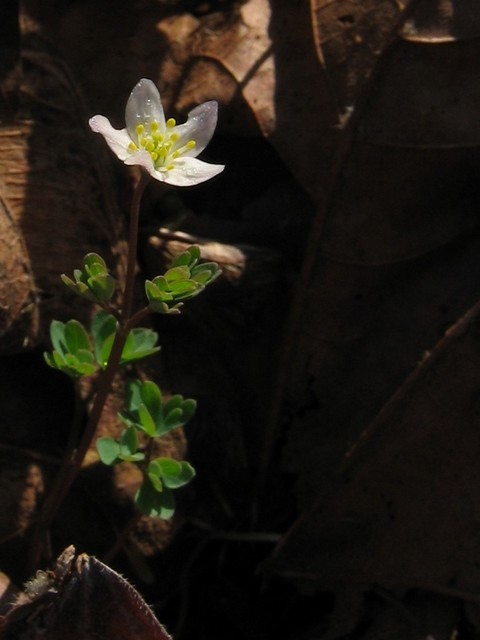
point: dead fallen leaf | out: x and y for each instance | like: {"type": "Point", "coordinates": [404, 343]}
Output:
{"type": "Point", "coordinates": [405, 513]}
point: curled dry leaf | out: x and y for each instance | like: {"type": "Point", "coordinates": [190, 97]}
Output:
{"type": "Point", "coordinates": [81, 598]}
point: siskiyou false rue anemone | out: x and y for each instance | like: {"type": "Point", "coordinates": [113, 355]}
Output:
{"type": "Point", "coordinates": [167, 151]}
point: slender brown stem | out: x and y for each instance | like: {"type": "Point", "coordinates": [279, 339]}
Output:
{"type": "Point", "coordinates": [73, 463]}
{"type": "Point", "coordinates": [137, 317]}
{"type": "Point", "coordinates": [132, 246]}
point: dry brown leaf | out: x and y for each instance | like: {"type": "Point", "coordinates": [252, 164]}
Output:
{"type": "Point", "coordinates": [443, 21]}
{"type": "Point", "coordinates": [18, 304]}
{"type": "Point", "coordinates": [350, 36]}
{"type": "Point", "coordinates": [406, 513]}
{"type": "Point", "coordinates": [266, 56]}
{"type": "Point", "coordinates": [53, 179]}
{"type": "Point", "coordinates": [410, 182]}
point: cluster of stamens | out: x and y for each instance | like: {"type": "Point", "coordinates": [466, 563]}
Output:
{"type": "Point", "coordinates": [160, 146]}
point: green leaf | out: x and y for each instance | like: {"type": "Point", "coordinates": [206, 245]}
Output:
{"type": "Point", "coordinates": [176, 274]}
{"type": "Point", "coordinates": [170, 473]}
{"type": "Point", "coordinates": [189, 407]}
{"type": "Point", "coordinates": [76, 337]}
{"type": "Point", "coordinates": [102, 287]}
{"type": "Point", "coordinates": [153, 503]}
{"type": "Point", "coordinates": [156, 481]}
{"type": "Point", "coordinates": [174, 402]}
{"type": "Point", "coordinates": [183, 287]}
{"type": "Point", "coordinates": [93, 282]}
{"type": "Point", "coordinates": [129, 440]}
{"type": "Point", "coordinates": [50, 360]}
{"type": "Point", "coordinates": [146, 421]}
{"type": "Point", "coordinates": [173, 420]}
{"type": "Point", "coordinates": [152, 398]}
{"type": "Point", "coordinates": [139, 344]}
{"type": "Point", "coordinates": [57, 336]}
{"type": "Point", "coordinates": [189, 257]}
{"type": "Point", "coordinates": [180, 479]}
{"type": "Point", "coordinates": [108, 450]}
{"type": "Point", "coordinates": [94, 263]}
{"type": "Point", "coordinates": [132, 457]}
{"type": "Point", "coordinates": [104, 327]}
{"type": "Point", "coordinates": [160, 283]}
{"type": "Point", "coordinates": [72, 351]}
{"type": "Point", "coordinates": [168, 466]}
{"type": "Point", "coordinates": [133, 396]}
{"type": "Point", "coordinates": [206, 273]}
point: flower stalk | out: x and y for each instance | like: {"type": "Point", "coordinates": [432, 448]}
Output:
{"type": "Point", "coordinates": [75, 456]}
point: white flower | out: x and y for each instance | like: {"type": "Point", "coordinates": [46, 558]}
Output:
{"type": "Point", "coordinates": [166, 150]}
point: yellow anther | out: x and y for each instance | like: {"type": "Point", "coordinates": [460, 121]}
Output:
{"type": "Point", "coordinates": [175, 155]}
{"type": "Point", "coordinates": [191, 144]}
{"type": "Point", "coordinates": [154, 155]}
{"type": "Point", "coordinates": [174, 137]}
{"type": "Point", "coordinates": [150, 146]}
{"type": "Point", "coordinates": [171, 122]}
{"type": "Point", "coordinates": [139, 129]}
{"type": "Point", "coordinates": [154, 126]}
{"type": "Point", "coordinates": [157, 136]}
{"type": "Point", "coordinates": [142, 142]}
{"type": "Point", "coordinates": [170, 167]}
{"type": "Point", "coordinates": [132, 147]}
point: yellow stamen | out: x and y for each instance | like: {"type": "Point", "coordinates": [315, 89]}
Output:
{"type": "Point", "coordinates": [160, 145]}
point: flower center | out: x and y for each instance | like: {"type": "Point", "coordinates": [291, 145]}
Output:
{"type": "Point", "coordinates": [162, 146]}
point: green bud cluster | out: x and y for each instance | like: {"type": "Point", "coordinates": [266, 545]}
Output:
{"type": "Point", "coordinates": [185, 279]}
{"type": "Point", "coordinates": [93, 282]}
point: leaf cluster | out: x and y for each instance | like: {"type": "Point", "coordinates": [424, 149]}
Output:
{"type": "Point", "coordinates": [72, 351]}
{"type": "Point", "coordinates": [93, 282]}
{"type": "Point", "coordinates": [185, 279]}
{"type": "Point", "coordinates": [140, 343]}
{"type": "Point", "coordinates": [149, 412]}
{"type": "Point", "coordinates": [78, 355]}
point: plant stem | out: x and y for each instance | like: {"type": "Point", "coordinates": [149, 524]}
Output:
{"type": "Point", "coordinates": [132, 247]}
{"type": "Point", "coordinates": [72, 466]}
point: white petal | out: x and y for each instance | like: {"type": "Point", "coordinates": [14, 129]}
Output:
{"type": "Point", "coordinates": [200, 126]}
{"type": "Point", "coordinates": [142, 159]}
{"type": "Point", "coordinates": [190, 171]}
{"type": "Point", "coordinates": [144, 106]}
{"type": "Point", "coordinates": [117, 139]}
